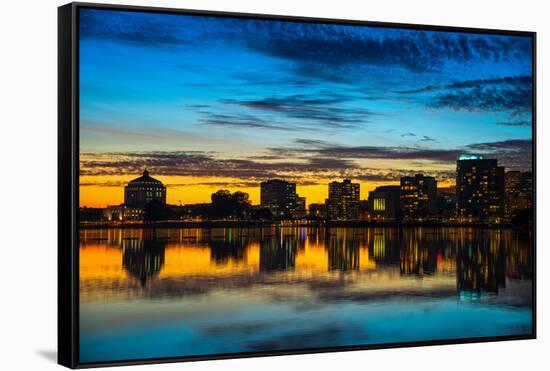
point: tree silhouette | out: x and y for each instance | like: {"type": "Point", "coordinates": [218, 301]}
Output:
{"type": "Point", "coordinates": [229, 205]}
{"type": "Point", "coordinates": [156, 210]}
{"type": "Point", "coordinates": [262, 214]}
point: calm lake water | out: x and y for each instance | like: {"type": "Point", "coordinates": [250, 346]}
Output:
{"type": "Point", "coordinates": [184, 292]}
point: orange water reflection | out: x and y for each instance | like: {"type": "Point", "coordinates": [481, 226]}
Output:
{"type": "Point", "coordinates": [162, 262]}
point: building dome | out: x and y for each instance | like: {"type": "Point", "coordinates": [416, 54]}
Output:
{"type": "Point", "coordinates": [140, 191]}
{"type": "Point", "coordinates": [145, 178]}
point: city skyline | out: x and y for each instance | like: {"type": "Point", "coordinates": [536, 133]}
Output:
{"type": "Point", "coordinates": [484, 193]}
{"type": "Point", "coordinates": [263, 185]}
{"type": "Point", "coordinates": [364, 194]}
{"type": "Point", "coordinates": [291, 101]}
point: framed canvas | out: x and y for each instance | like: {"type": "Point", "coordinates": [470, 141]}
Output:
{"type": "Point", "coordinates": [237, 185]}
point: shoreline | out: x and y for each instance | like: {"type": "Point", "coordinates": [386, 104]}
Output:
{"type": "Point", "coordinates": [313, 224]}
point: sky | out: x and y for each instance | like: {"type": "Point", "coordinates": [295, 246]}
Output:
{"type": "Point", "coordinates": [208, 103]}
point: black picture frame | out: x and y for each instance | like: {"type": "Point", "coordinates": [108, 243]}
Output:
{"type": "Point", "coordinates": [68, 182]}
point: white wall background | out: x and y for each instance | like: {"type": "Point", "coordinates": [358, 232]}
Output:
{"type": "Point", "coordinates": [28, 119]}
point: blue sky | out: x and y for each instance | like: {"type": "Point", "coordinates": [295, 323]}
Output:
{"type": "Point", "coordinates": [253, 99]}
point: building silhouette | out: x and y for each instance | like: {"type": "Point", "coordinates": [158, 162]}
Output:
{"type": "Point", "coordinates": [300, 210]}
{"type": "Point", "coordinates": [479, 189]}
{"type": "Point", "coordinates": [384, 203]}
{"type": "Point", "coordinates": [140, 191]}
{"type": "Point", "coordinates": [137, 194]}
{"type": "Point", "coordinates": [525, 194]}
{"type": "Point", "coordinates": [446, 203]}
{"type": "Point", "coordinates": [278, 196]}
{"type": "Point", "coordinates": [418, 198]}
{"type": "Point", "coordinates": [343, 200]}
{"type": "Point", "coordinates": [318, 210]}
{"type": "Point", "coordinates": [512, 181]}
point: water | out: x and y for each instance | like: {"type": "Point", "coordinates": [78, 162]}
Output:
{"type": "Point", "coordinates": [186, 292]}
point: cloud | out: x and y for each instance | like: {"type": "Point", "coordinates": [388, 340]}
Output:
{"type": "Point", "coordinates": [511, 93]}
{"type": "Point", "coordinates": [310, 109]}
{"type": "Point", "coordinates": [334, 45]}
{"type": "Point", "coordinates": [214, 184]}
{"type": "Point", "coordinates": [509, 80]}
{"type": "Point", "coordinates": [313, 143]}
{"type": "Point", "coordinates": [486, 99]}
{"type": "Point", "coordinates": [426, 138]}
{"type": "Point", "coordinates": [318, 51]}
{"type": "Point", "coordinates": [373, 152]}
{"type": "Point", "coordinates": [513, 153]}
{"type": "Point", "coordinates": [110, 183]}
{"type": "Point", "coordinates": [514, 123]}
{"type": "Point", "coordinates": [511, 145]}
{"type": "Point", "coordinates": [138, 131]}
{"type": "Point", "coordinates": [131, 28]}
{"type": "Point", "coordinates": [206, 164]}
{"type": "Point", "coordinates": [292, 112]}
{"type": "Point", "coordinates": [408, 135]}
{"type": "Point", "coordinates": [240, 121]}
{"type": "Point", "coordinates": [306, 162]}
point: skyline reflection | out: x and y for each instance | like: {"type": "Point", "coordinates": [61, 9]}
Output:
{"type": "Point", "coordinates": [480, 259]}
{"type": "Point", "coordinates": [167, 292]}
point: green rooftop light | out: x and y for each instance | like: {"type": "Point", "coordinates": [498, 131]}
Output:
{"type": "Point", "coordinates": [470, 157]}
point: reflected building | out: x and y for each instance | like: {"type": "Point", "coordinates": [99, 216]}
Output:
{"type": "Point", "coordinates": [278, 253]}
{"type": "Point", "coordinates": [228, 249]}
{"type": "Point", "coordinates": [480, 265]}
{"type": "Point", "coordinates": [384, 245]}
{"type": "Point", "coordinates": [519, 250]}
{"type": "Point", "coordinates": [418, 198]}
{"type": "Point", "coordinates": [343, 252]}
{"type": "Point", "coordinates": [418, 256]}
{"type": "Point", "coordinates": [143, 259]}
{"type": "Point", "coordinates": [343, 200]}
{"type": "Point", "coordinates": [479, 189]}
{"type": "Point", "coordinates": [278, 196]}
{"type": "Point", "coordinates": [384, 203]}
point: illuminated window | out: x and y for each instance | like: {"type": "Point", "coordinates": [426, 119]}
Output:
{"type": "Point", "coordinates": [379, 204]}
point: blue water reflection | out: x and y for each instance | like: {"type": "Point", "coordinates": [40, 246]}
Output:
{"type": "Point", "coordinates": [184, 292]}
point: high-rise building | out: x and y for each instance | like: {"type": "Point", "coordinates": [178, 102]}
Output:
{"type": "Point", "coordinates": [140, 191]}
{"type": "Point", "coordinates": [446, 203]}
{"type": "Point", "coordinates": [479, 189]}
{"type": "Point", "coordinates": [512, 180]}
{"type": "Point", "coordinates": [278, 196]}
{"type": "Point", "coordinates": [300, 210]}
{"type": "Point", "coordinates": [418, 198]}
{"type": "Point", "coordinates": [525, 191]}
{"type": "Point", "coordinates": [318, 210]}
{"type": "Point", "coordinates": [343, 200]}
{"type": "Point", "coordinates": [384, 203]}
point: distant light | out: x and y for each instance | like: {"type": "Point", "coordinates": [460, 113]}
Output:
{"type": "Point", "coordinates": [470, 157]}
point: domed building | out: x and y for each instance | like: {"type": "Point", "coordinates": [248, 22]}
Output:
{"type": "Point", "coordinates": [140, 191]}
{"type": "Point", "coordinates": [137, 194]}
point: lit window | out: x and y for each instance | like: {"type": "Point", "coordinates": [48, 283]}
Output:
{"type": "Point", "coordinates": [379, 204]}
